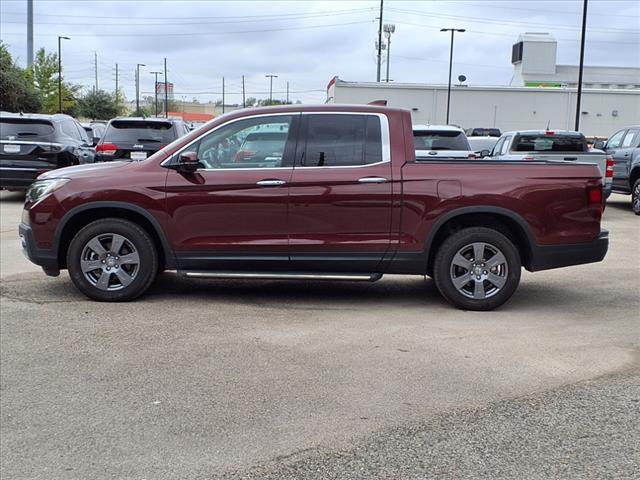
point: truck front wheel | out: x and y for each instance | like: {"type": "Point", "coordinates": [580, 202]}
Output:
{"type": "Point", "coordinates": [635, 197]}
{"type": "Point", "coordinates": [477, 268]}
{"type": "Point", "coordinates": [112, 260]}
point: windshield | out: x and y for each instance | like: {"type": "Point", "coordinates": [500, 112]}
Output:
{"type": "Point", "coordinates": [548, 142]}
{"type": "Point", "coordinates": [483, 143]}
{"type": "Point", "coordinates": [440, 140]}
{"type": "Point", "coordinates": [128, 131]}
{"type": "Point", "coordinates": [25, 129]}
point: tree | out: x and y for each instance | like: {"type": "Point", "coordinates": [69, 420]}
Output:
{"type": "Point", "coordinates": [98, 105]}
{"type": "Point", "coordinates": [17, 93]}
{"type": "Point", "coordinates": [251, 102]}
{"type": "Point", "coordinates": [44, 73]}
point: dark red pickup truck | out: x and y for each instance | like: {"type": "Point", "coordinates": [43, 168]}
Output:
{"type": "Point", "coordinates": [313, 192]}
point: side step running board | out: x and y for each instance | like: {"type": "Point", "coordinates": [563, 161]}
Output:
{"type": "Point", "coordinates": [362, 277]}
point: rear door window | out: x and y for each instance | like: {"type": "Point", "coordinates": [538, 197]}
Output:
{"type": "Point", "coordinates": [549, 143]}
{"type": "Point", "coordinates": [335, 140]}
{"type": "Point", "coordinates": [25, 129]}
{"type": "Point", "coordinates": [440, 140]}
{"type": "Point", "coordinates": [132, 131]}
{"type": "Point", "coordinates": [631, 138]}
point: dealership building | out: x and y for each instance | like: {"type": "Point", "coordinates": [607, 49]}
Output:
{"type": "Point", "coordinates": [541, 94]}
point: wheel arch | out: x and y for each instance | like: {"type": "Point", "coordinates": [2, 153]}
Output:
{"type": "Point", "coordinates": [507, 222]}
{"type": "Point", "coordinates": [76, 218]}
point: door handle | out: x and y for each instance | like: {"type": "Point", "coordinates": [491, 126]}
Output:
{"type": "Point", "coordinates": [270, 183]}
{"type": "Point", "coordinates": [372, 180]}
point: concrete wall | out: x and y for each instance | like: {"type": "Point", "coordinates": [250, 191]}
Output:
{"type": "Point", "coordinates": [507, 108]}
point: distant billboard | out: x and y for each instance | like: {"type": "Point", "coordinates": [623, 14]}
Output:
{"type": "Point", "coordinates": [160, 87]}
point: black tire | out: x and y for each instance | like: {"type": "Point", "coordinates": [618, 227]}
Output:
{"type": "Point", "coordinates": [635, 197]}
{"type": "Point", "coordinates": [480, 294]}
{"type": "Point", "coordinates": [124, 282]}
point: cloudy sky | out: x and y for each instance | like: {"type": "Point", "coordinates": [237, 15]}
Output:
{"type": "Point", "coordinates": [306, 43]}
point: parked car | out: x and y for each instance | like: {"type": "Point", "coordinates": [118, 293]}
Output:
{"type": "Point", "coordinates": [483, 132]}
{"type": "Point", "coordinates": [624, 148]}
{"type": "Point", "coordinates": [31, 144]}
{"type": "Point", "coordinates": [553, 146]}
{"type": "Point", "coordinates": [347, 200]}
{"type": "Point", "coordinates": [441, 142]}
{"type": "Point", "coordinates": [482, 146]}
{"type": "Point", "coordinates": [95, 131]}
{"type": "Point", "coordinates": [135, 138]}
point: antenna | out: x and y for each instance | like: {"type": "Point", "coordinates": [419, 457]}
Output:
{"type": "Point", "coordinates": [548, 123]}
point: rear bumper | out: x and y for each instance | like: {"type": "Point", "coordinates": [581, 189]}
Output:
{"type": "Point", "coordinates": [556, 256]}
{"type": "Point", "coordinates": [47, 259]}
{"type": "Point", "coordinates": [18, 178]}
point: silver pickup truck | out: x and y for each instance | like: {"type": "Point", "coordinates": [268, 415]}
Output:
{"type": "Point", "coordinates": [553, 146]}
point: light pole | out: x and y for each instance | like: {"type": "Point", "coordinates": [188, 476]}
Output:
{"type": "Point", "coordinates": [389, 28]}
{"type": "Point", "coordinates": [60, 72]}
{"type": "Point", "coordinates": [581, 67]}
{"type": "Point", "coordinates": [271, 77]}
{"type": "Point", "coordinates": [138, 87]}
{"type": "Point", "coordinates": [155, 87]}
{"type": "Point", "coordinates": [452, 30]}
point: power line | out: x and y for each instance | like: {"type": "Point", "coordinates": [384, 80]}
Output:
{"type": "Point", "coordinates": [196, 34]}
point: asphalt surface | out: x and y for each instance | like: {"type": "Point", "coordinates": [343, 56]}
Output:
{"type": "Point", "coordinates": [235, 379]}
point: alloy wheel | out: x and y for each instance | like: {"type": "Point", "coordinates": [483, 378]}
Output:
{"type": "Point", "coordinates": [479, 270]}
{"type": "Point", "coordinates": [110, 261]}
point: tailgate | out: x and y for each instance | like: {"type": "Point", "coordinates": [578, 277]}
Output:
{"type": "Point", "coordinates": [20, 154]}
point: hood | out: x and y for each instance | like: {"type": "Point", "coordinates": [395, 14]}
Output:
{"type": "Point", "coordinates": [92, 169]}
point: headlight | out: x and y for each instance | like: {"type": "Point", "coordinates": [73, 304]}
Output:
{"type": "Point", "coordinates": [43, 188]}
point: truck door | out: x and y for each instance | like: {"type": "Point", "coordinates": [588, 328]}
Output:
{"type": "Point", "coordinates": [620, 172]}
{"type": "Point", "coordinates": [340, 196]}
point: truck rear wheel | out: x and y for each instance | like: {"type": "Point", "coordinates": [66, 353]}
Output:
{"type": "Point", "coordinates": [112, 260]}
{"type": "Point", "coordinates": [477, 269]}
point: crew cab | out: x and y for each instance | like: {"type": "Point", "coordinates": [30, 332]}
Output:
{"type": "Point", "coordinates": [339, 195]}
{"type": "Point", "coordinates": [624, 149]}
{"type": "Point", "coordinates": [553, 146]}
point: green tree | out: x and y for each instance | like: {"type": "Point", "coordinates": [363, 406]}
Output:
{"type": "Point", "coordinates": [44, 73]}
{"type": "Point", "coordinates": [98, 105]}
{"type": "Point", "coordinates": [17, 93]}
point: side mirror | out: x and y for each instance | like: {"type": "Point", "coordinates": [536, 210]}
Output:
{"type": "Point", "coordinates": [484, 153]}
{"type": "Point", "coordinates": [188, 162]}
{"type": "Point", "coordinates": [599, 144]}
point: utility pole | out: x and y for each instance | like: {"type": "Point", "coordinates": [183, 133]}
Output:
{"type": "Point", "coordinates": [117, 94]}
{"type": "Point", "coordinates": [60, 72]}
{"type": "Point", "coordinates": [29, 33]}
{"type": "Point", "coordinates": [452, 30]}
{"type": "Point", "coordinates": [380, 41]}
{"type": "Point", "coordinates": [138, 87]}
{"type": "Point", "coordinates": [95, 64]}
{"type": "Point", "coordinates": [244, 103]}
{"type": "Point", "coordinates": [222, 94]}
{"type": "Point", "coordinates": [166, 91]}
{"type": "Point", "coordinates": [287, 92]}
{"type": "Point", "coordinates": [155, 86]}
{"type": "Point", "coordinates": [581, 67]}
{"type": "Point", "coordinates": [271, 77]}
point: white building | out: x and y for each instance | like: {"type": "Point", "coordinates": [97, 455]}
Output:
{"type": "Point", "coordinates": [541, 94]}
{"type": "Point", "coordinates": [534, 65]}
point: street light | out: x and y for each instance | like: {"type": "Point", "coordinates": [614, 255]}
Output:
{"type": "Point", "coordinates": [155, 88]}
{"type": "Point", "coordinates": [389, 28]}
{"type": "Point", "coordinates": [271, 77]}
{"type": "Point", "coordinates": [452, 30]}
{"type": "Point", "coordinates": [60, 72]}
{"type": "Point", "coordinates": [138, 87]}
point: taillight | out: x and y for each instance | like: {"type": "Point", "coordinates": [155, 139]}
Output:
{"type": "Point", "coordinates": [609, 170]}
{"type": "Point", "coordinates": [242, 154]}
{"type": "Point", "coordinates": [594, 194]}
{"type": "Point", "coordinates": [550, 133]}
{"type": "Point", "coordinates": [106, 148]}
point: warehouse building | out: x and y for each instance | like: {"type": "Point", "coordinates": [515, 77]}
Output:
{"type": "Point", "coordinates": [542, 94]}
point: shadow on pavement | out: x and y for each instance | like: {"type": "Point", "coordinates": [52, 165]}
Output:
{"type": "Point", "coordinates": [12, 197]}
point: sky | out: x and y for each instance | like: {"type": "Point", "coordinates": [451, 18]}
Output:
{"type": "Point", "coordinates": [306, 43]}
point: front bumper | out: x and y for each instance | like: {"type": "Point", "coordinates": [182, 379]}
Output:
{"type": "Point", "coordinates": [47, 259]}
{"type": "Point", "coordinates": [557, 256]}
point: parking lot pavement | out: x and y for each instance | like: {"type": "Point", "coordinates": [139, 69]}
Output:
{"type": "Point", "coordinates": [322, 380]}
